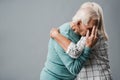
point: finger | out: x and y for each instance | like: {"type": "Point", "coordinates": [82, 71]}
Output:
{"type": "Point", "coordinates": [93, 31]}
{"type": "Point", "coordinates": [96, 35]}
{"type": "Point", "coordinates": [58, 30]}
{"type": "Point", "coordinates": [96, 32]}
{"type": "Point", "coordinates": [87, 34]}
{"type": "Point", "coordinates": [52, 30]}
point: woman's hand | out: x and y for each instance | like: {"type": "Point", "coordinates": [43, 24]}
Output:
{"type": "Point", "coordinates": [59, 38]}
{"type": "Point", "coordinates": [92, 38]}
{"type": "Point", "coordinates": [54, 32]}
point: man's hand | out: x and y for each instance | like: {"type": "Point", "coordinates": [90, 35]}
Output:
{"type": "Point", "coordinates": [54, 32]}
{"type": "Point", "coordinates": [92, 38]}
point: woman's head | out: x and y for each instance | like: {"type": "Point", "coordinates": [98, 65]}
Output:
{"type": "Point", "coordinates": [90, 14]}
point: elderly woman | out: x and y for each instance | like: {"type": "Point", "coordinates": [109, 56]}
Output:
{"type": "Point", "coordinates": [59, 65]}
{"type": "Point", "coordinates": [97, 67]}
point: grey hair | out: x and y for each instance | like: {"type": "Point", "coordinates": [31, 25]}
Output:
{"type": "Point", "coordinates": [90, 10]}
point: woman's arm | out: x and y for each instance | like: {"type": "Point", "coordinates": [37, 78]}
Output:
{"type": "Point", "coordinates": [75, 65]}
{"type": "Point", "coordinates": [61, 40]}
{"type": "Point", "coordinates": [73, 50]}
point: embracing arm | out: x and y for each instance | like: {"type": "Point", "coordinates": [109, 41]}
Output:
{"type": "Point", "coordinates": [61, 40]}
{"type": "Point", "coordinates": [72, 49]}
{"type": "Point", "coordinates": [75, 65]}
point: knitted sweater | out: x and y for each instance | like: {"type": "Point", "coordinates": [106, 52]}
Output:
{"type": "Point", "coordinates": [59, 65]}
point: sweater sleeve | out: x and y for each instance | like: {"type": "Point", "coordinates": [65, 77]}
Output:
{"type": "Point", "coordinates": [75, 50]}
{"type": "Point", "coordinates": [73, 65]}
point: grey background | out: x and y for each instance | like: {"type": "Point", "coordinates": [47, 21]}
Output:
{"type": "Point", "coordinates": [24, 34]}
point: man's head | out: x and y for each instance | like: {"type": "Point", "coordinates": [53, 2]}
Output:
{"type": "Point", "coordinates": [90, 14]}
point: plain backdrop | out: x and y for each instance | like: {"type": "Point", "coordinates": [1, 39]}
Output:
{"type": "Point", "coordinates": [24, 34]}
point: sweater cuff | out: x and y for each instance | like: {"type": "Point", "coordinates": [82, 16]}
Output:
{"type": "Point", "coordinates": [87, 49]}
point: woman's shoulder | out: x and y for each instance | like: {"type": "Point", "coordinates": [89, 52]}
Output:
{"type": "Point", "coordinates": [64, 27]}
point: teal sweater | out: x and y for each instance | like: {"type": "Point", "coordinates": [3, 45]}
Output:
{"type": "Point", "coordinates": [59, 65]}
